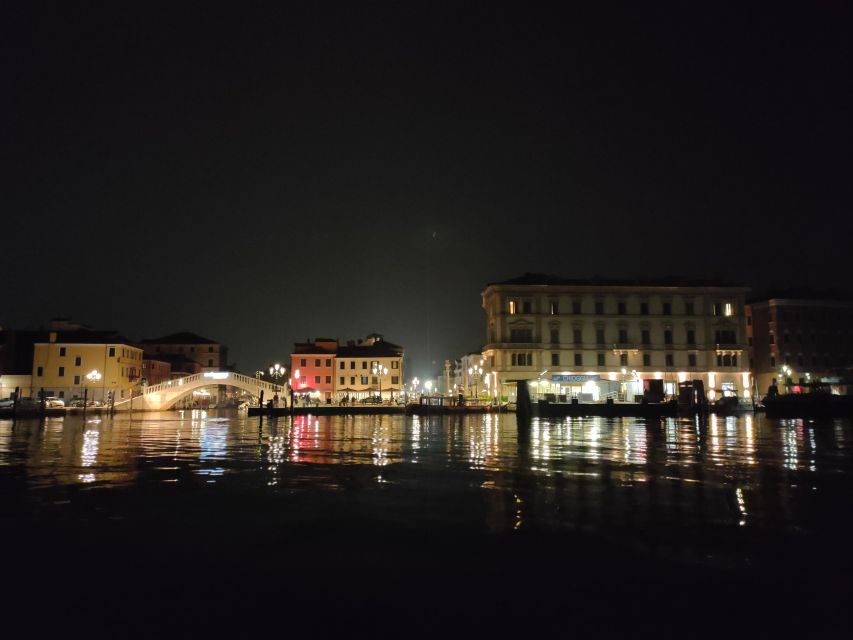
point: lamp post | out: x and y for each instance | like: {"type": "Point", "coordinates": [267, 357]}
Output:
{"type": "Point", "coordinates": [476, 372]}
{"type": "Point", "coordinates": [277, 372]}
{"type": "Point", "coordinates": [379, 371]}
{"type": "Point", "coordinates": [428, 386]}
{"type": "Point", "coordinates": [93, 376]}
{"type": "Point", "coordinates": [786, 371]}
{"type": "Point", "coordinates": [415, 383]}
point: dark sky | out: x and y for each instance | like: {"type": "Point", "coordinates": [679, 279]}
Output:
{"type": "Point", "coordinates": [262, 174]}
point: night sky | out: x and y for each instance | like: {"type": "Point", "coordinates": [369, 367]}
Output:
{"type": "Point", "coordinates": [264, 174]}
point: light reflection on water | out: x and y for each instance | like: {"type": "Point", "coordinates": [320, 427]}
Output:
{"type": "Point", "coordinates": [735, 471]}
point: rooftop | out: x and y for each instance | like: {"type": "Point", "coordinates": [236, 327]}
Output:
{"type": "Point", "coordinates": [543, 279]}
{"type": "Point", "coordinates": [182, 337]}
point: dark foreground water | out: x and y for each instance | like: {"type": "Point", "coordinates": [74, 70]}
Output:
{"type": "Point", "coordinates": [394, 526]}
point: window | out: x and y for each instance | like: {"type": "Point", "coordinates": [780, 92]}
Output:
{"type": "Point", "coordinates": [511, 307]}
{"type": "Point", "coordinates": [364, 364]}
{"type": "Point", "coordinates": [555, 335]}
{"type": "Point", "coordinates": [772, 339]}
{"type": "Point", "coordinates": [576, 306]}
{"type": "Point", "coordinates": [670, 360]}
{"type": "Point", "coordinates": [521, 335]}
{"type": "Point", "coordinates": [40, 372]}
{"type": "Point", "coordinates": [395, 379]}
{"type": "Point", "coordinates": [623, 336]}
{"type": "Point", "coordinates": [554, 307]}
{"type": "Point", "coordinates": [61, 371]}
{"type": "Point", "coordinates": [395, 364]}
{"type": "Point", "coordinates": [328, 362]}
{"type": "Point", "coordinates": [691, 359]}
{"type": "Point", "coordinates": [303, 362]}
{"type": "Point", "coordinates": [691, 336]}
{"type": "Point", "coordinates": [352, 380]}
{"type": "Point", "coordinates": [621, 308]}
{"type": "Point", "coordinates": [363, 379]}
{"type": "Point", "coordinates": [112, 352]}
{"type": "Point", "coordinates": [343, 366]}
{"type": "Point", "coordinates": [555, 359]}
{"type": "Point", "coordinates": [599, 307]}
{"type": "Point", "coordinates": [728, 309]}
{"type": "Point", "coordinates": [599, 336]}
{"type": "Point", "coordinates": [623, 359]}
{"type": "Point", "coordinates": [62, 351]}
{"type": "Point", "coordinates": [772, 361]}
{"type": "Point", "coordinates": [210, 349]}
{"type": "Point", "coordinates": [725, 336]}
{"type": "Point", "coordinates": [76, 379]}
{"type": "Point", "coordinates": [667, 308]}
{"type": "Point", "coordinates": [342, 381]}
{"type": "Point", "coordinates": [667, 336]}
{"type": "Point", "coordinates": [61, 394]}
{"type": "Point", "coordinates": [748, 321]}
{"type": "Point", "coordinates": [578, 359]}
{"type": "Point", "coordinates": [526, 306]}
{"type": "Point", "coordinates": [209, 362]}
{"type": "Point", "coordinates": [317, 362]}
{"type": "Point", "coordinates": [786, 338]}
{"type": "Point", "coordinates": [600, 359]}
{"type": "Point", "coordinates": [577, 336]}
{"type": "Point", "coordinates": [522, 359]}
{"type": "Point", "coordinates": [328, 379]}
{"type": "Point", "coordinates": [352, 364]}
{"type": "Point", "coordinates": [646, 337]}
{"type": "Point", "coordinates": [77, 361]}
{"type": "Point", "coordinates": [647, 360]}
{"type": "Point", "coordinates": [373, 380]}
{"type": "Point", "coordinates": [644, 308]}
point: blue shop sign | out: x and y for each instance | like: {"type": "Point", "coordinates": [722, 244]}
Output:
{"type": "Point", "coordinates": [575, 378]}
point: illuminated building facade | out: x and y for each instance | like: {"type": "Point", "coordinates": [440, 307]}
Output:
{"type": "Point", "coordinates": [599, 340]}
{"type": "Point", "coordinates": [796, 342]}
{"type": "Point", "coordinates": [360, 368]}
{"type": "Point", "coordinates": [61, 365]}
{"type": "Point", "coordinates": [312, 367]}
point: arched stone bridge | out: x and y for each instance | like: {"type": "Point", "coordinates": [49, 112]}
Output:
{"type": "Point", "coordinates": [163, 396]}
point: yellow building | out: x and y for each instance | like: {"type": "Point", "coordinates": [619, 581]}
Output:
{"type": "Point", "coordinates": [62, 366]}
{"type": "Point", "coordinates": [370, 367]}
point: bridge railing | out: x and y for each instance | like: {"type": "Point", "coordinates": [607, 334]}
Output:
{"type": "Point", "coordinates": [214, 377]}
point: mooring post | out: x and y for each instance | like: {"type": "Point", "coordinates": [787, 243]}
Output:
{"type": "Point", "coordinates": [522, 405]}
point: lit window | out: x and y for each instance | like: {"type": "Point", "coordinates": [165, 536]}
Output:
{"type": "Point", "coordinates": [512, 307]}
{"type": "Point", "coordinates": [727, 310]}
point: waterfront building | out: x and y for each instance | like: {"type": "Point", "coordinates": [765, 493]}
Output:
{"type": "Point", "coordinates": [208, 354]}
{"type": "Point", "coordinates": [312, 368]}
{"type": "Point", "coordinates": [331, 371]}
{"type": "Point", "coordinates": [369, 367]}
{"type": "Point", "coordinates": [61, 363]}
{"type": "Point", "coordinates": [796, 342]}
{"type": "Point", "coordinates": [596, 340]}
{"type": "Point", "coordinates": [156, 371]}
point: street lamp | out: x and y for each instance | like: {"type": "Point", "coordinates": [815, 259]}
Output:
{"type": "Point", "coordinates": [476, 372]}
{"type": "Point", "coordinates": [786, 371]}
{"type": "Point", "coordinates": [93, 376]}
{"type": "Point", "coordinates": [277, 372]}
{"type": "Point", "coordinates": [379, 371]}
{"type": "Point", "coordinates": [428, 386]}
{"type": "Point", "coordinates": [415, 383]}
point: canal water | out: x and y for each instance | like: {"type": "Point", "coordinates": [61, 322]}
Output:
{"type": "Point", "coordinates": [675, 525]}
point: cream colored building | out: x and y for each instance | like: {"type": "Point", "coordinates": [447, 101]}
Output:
{"type": "Point", "coordinates": [594, 340]}
{"type": "Point", "coordinates": [355, 362]}
{"type": "Point", "coordinates": [61, 365]}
